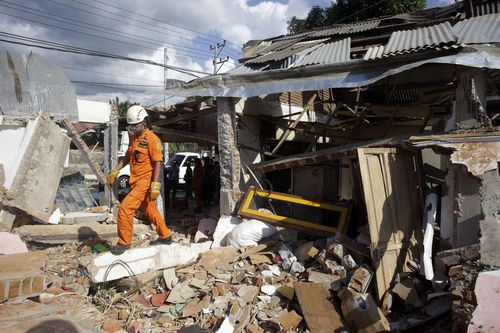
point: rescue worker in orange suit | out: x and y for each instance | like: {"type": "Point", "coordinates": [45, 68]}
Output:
{"type": "Point", "coordinates": [145, 156]}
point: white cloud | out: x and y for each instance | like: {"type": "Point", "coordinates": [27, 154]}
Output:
{"type": "Point", "coordinates": [234, 20]}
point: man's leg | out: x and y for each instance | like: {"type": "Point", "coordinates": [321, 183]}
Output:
{"type": "Point", "coordinates": [126, 213]}
{"type": "Point", "coordinates": [153, 215]}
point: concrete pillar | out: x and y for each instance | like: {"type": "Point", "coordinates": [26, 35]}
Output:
{"type": "Point", "coordinates": [229, 155]}
{"type": "Point", "coordinates": [111, 156]}
{"type": "Point", "coordinates": [469, 107]}
{"type": "Point", "coordinates": [490, 224]}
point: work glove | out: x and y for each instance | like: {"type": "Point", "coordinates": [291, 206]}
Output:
{"type": "Point", "coordinates": [155, 191]}
{"type": "Point", "coordinates": [112, 177]}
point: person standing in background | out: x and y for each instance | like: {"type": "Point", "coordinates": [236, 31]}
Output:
{"type": "Point", "coordinates": [188, 180]}
{"type": "Point", "coordinates": [198, 184]}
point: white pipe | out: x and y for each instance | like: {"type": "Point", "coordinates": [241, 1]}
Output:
{"type": "Point", "coordinates": [431, 200]}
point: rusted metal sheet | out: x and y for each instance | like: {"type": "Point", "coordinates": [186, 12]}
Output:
{"type": "Point", "coordinates": [393, 206]}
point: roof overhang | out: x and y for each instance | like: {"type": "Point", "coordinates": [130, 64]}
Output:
{"type": "Point", "coordinates": [351, 74]}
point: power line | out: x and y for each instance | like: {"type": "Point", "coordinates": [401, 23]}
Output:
{"type": "Point", "coordinates": [152, 18]}
{"type": "Point", "coordinates": [119, 84]}
{"type": "Point", "coordinates": [44, 44]}
{"type": "Point", "coordinates": [109, 74]}
{"type": "Point", "coordinates": [110, 87]}
{"type": "Point", "coordinates": [91, 35]}
{"type": "Point", "coordinates": [106, 29]}
{"type": "Point", "coordinates": [131, 24]}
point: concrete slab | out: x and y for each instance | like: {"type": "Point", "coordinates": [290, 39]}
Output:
{"type": "Point", "coordinates": [105, 266]}
{"type": "Point", "coordinates": [485, 318]}
{"type": "Point", "coordinates": [10, 244]}
{"type": "Point", "coordinates": [59, 234]}
{"type": "Point", "coordinates": [39, 170]}
{"type": "Point", "coordinates": [84, 217]}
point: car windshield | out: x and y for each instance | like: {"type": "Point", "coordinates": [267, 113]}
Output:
{"type": "Point", "coordinates": [176, 157]}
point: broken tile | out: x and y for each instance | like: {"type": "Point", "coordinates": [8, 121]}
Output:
{"type": "Point", "coordinates": [197, 283]}
{"type": "Point", "coordinates": [181, 293]}
{"type": "Point", "coordinates": [333, 282]}
{"type": "Point", "coordinates": [287, 291]}
{"type": "Point", "coordinates": [213, 259]}
{"type": "Point", "coordinates": [289, 320]}
{"type": "Point", "coordinates": [274, 269]}
{"type": "Point", "coordinates": [248, 293]}
{"type": "Point", "coordinates": [306, 252]}
{"type": "Point", "coordinates": [195, 306]}
{"type": "Point", "coordinates": [170, 278]}
{"type": "Point", "coordinates": [268, 289]}
{"type": "Point", "coordinates": [158, 300]}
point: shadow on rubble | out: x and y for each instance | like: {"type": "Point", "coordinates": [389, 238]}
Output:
{"type": "Point", "coordinates": [54, 325]}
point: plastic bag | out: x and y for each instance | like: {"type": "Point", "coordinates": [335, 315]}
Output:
{"type": "Point", "coordinates": [249, 232]}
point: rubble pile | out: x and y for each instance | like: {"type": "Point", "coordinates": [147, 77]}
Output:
{"type": "Point", "coordinates": [278, 285]}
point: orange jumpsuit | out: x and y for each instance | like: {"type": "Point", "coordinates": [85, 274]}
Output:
{"type": "Point", "coordinates": [143, 152]}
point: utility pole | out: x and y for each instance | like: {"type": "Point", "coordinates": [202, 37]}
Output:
{"type": "Point", "coordinates": [217, 48]}
{"type": "Point", "coordinates": [165, 62]}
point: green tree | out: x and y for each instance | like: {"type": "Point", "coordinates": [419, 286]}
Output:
{"type": "Point", "coordinates": [348, 11]}
{"type": "Point", "coordinates": [122, 106]}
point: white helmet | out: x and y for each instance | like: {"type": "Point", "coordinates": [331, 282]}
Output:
{"type": "Point", "coordinates": [136, 114]}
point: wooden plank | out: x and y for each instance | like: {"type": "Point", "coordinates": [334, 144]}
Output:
{"type": "Point", "coordinates": [319, 313]}
{"type": "Point", "coordinates": [84, 149]}
{"type": "Point", "coordinates": [285, 135]}
{"type": "Point", "coordinates": [392, 202]}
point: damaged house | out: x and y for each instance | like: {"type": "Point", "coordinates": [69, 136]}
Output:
{"type": "Point", "coordinates": [364, 157]}
{"type": "Point", "coordinates": [384, 130]}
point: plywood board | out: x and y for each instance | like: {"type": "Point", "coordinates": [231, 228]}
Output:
{"type": "Point", "coordinates": [319, 312]}
{"type": "Point", "coordinates": [393, 206]}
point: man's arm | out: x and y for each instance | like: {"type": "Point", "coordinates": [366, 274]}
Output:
{"type": "Point", "coordinates": [157, 171]}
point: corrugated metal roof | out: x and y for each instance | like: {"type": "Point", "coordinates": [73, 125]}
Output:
{"type": "Point", "coordinates": [346, 29]}
{"type": "Point", "coordinates": [374, 52]}
{"type": "Point", "coordinates": [31, 85]}
{"type": "Point", "coordinates": [419, 39]}
{"type": "Point", "coordinates": [285, 53]}
{"type": "Point", "coordinates": [328, 53]}
{"type": "Point", "coordinates": [73, 195]}
{"type": "Point", "coordinates": [481, 29]}
{"type": "Point", "coordinates": [295, 36]}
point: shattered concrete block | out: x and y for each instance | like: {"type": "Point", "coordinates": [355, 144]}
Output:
{"type": "Point", "coordinates": [407, 292]}
{"type": "Point", "coordinates": [306, 252]}
{"type": "Point", "coordinates": [297, 267]}
{"type": "Point", "coordinates": [145, 259]}
{"type": "Point", "coordinates": [337, 250]}
{"type": "Point", "coordinates": [10, 244]}
{"type": "Point", "coordinates": [485, 317]}
{"type": "Point", "coordinates": [332, 282]}
{"type": "Point", "coordinates": [33, 185]}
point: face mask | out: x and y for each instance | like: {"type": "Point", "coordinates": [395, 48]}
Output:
{"type": "Point", "coordinates": [135, 130]}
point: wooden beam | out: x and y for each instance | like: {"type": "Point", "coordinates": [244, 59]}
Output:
{"type": "Point", "coordinates": [288, 131]}
{"type": "Point", "coordinates": [189, 135]}
{"type": "Point", "coordinates": [184, 117]}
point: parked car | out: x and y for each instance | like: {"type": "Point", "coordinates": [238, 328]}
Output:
{"type": "Point", "coordinates": [182, 158]}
